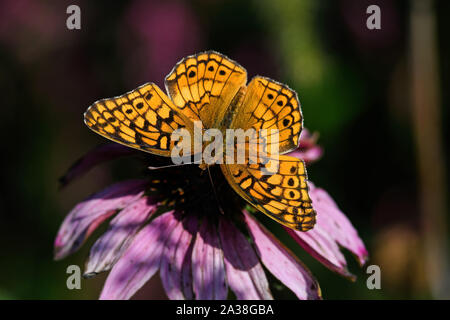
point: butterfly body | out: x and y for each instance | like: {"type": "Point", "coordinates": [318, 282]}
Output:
{"type": "Point", "coordinates": [225, 122]}
{"type": "Point", "coordinates": [211, 90]}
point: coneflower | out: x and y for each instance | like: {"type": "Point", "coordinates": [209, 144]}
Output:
{"type": "Point", "coordinates": [169, 221]}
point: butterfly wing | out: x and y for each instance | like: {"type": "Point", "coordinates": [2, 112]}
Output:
{"type": "Point", "coordinates": [143, 119]}
{"type": "Point", "coordinates": [269, 105]}
{"type": "Point", "coordinates": [283, 196]}
{"type": "Point", "coordinates": [203, 86]}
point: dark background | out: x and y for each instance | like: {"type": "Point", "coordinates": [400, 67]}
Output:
{"type": "Point", "coordinates": [378, 98]}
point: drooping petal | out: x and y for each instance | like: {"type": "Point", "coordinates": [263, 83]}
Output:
{"type": "Point", "coordinates": [141, 260]}
{"type": "Point", "coordinates": [110, 246]}
{"type": "Point", "coordinates": [102, 153]}
{"type": "Point", "coordinates": [208, 269]}
{"type": "Point", "coordinates": [331, 230]}
{"type": "Point", "coordinates": [176, 271]}
{"type": "Point", "coordinates": [337, 224]}
{"type": "Point", "coordinates": [282, 263]}
{"type": "Point", "coordinates": [90, 213]}
{"type": "Point", "coordinates": [245, 275]}
{"type": "Point", "coordinates": [323, 248]}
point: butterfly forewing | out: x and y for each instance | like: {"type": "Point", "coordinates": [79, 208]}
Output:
{"type": "Point", "coordinates": [143, 119]}
{"type": "Point", "coordinates": [282, 196]}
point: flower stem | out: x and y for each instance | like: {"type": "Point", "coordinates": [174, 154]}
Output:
{"type": "Point", "coordinates": [427, 118]}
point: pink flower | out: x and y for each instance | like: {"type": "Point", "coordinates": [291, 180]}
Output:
{"type": "Point", "coordinates": [308, 150]}
{"type": "Point", "coordinates": [166, 223]}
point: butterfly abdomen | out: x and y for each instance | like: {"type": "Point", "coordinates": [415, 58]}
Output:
{"type": "Point", "coordinates": [232, 108]}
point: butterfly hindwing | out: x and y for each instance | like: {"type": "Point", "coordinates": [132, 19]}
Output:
{"type": "Point", "coordinates": [271, 105]}
{"type": "Point", "coordinates": [283, 196]}
{"type": "Point", "coordinates": [143, 119]}
{"type": "Point", "coordinates": [203, 86]}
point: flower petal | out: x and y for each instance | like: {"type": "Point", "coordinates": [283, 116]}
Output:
{"type": "Point", "coordinates": [309, 155]}
{"type": "Point", "coordinates": [322, 247]}
{"type": "Point", "coordinates": [245, 275]}
{"type": "Point", "coordinates": [176, 274]}
{"type": "Point", "coordinates": [110, 246]}
{"type": "Point", "coordinates": [102, 153]}
{"type": "Point", "coordinates": [307, 150]}
{"type": "Point", "coordinates": [208, 269]}
{"type": "Point", "coordinates": [331, 230]}
{"type": "Point", "coordinates": [140, 261]}
{"type": "Point", "coordinates": [89, 214]}
{"type": "Point", "coordinates": [282, 263]}
{"type": "Point", "coordinates": [336, 224]}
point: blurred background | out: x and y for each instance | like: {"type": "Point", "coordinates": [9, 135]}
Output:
{"type": "Point", "coordinates": [378, 98]}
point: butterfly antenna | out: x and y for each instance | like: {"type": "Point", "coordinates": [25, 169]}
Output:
{"type": "Point", "coordinates": [172, 165]}
{"type": "Point", "coordinates": [215, 192]}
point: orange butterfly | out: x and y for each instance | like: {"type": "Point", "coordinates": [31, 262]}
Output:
{"type": "Point", "coordinates": [211, 88]}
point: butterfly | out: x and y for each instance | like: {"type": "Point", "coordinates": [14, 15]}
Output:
{"type": "Point", "coordinates": [211, 88]}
